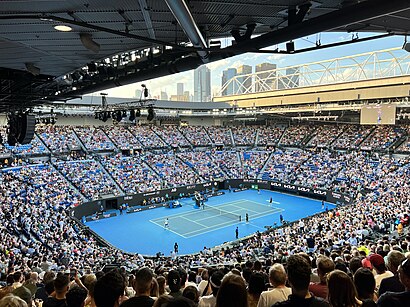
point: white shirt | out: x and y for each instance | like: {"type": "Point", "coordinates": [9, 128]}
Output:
{"type": "Point", "coordinates": [207, 301]}
{"type": "Point", "coordinates": [268, 298]}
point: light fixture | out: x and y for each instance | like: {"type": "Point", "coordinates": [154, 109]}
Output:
{"type": "Point", "coordinates": [89, 43]}
{"type": "Point", "coordinates": [63, 28]}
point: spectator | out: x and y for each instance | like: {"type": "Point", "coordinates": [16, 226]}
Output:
{"type": "Point", "coordinates": [58, 298]}
{"type": "Point", "coordinates": [299, 271]}
{"type": "Point", "coordinates": [12, 301]}
{"type": "Point", "coordinates": [398, 299]}
{"type": "Point", "coordinates": [392, 284]}
{"type": "Point", "coordinates": [215, 283]}
{"type": "Point", "coordinates": [174, 283]}
{"type": "Point", "coordinates": [377, 262]}
{"type": "Point", "coordinates": [324, 266]}
{"type": "Point", "coordinates": [365, 284]}
{"type": "Point", "coordinates": [142, 286]}
{"type": "Point", "coordinates": [76, 296]}
{"type": "Point", "coordinates": [255, 287]}
{"type": "Point", "coordinates": [232, 292]}
{"type": "Point", "coordinates": [279, 293]}
{"type": "Point", "coordinates": [109, 290]}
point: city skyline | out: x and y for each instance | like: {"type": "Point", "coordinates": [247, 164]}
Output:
{"type": "Point", "coordinates": [167, 83]}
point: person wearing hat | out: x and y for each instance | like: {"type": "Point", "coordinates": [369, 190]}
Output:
{"type": "Point", "coordinates": [215, 283]}
{"type": "Point", "coordinates": [379, 266]}
{"type": "Point", "coordinates": [174, 283]}
{"type": "Point", "coordinates": [398, 299]}
{"type": "Point", "coordinates": [25, 294]}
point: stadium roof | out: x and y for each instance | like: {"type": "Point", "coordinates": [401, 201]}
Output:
{"type": "Point", "coordinates": [113, 43]}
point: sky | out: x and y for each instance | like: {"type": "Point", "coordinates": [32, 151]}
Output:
{"type": "Point", "coordinates": [168, 83]}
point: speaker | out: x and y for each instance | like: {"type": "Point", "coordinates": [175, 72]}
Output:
{"type": "Point", "coordinates": [21, 128]}
{"type": "Point", "coordinates": [406, 46]}
{"type": "Point", "coordinates": [27, 129]}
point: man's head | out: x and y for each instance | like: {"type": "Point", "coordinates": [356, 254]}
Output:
{"type": "Point", "coordinates": [25, 294]}
{"type": "Point", "coordinates": [277, 275]}
{"type": "Point", "coordinates": [404, 273]}
{"type": "Point", "coordinates": [61, 284]}
{"type": "Point", "coordinates": [394, 258]}
{"type": "Point", "coordinates": [325, 265]}
{"type": "Point", "coordinates": [76, 296]}
{"type": "Point", "coordinates": [215, 281]}
{"type": "Point", "coordinates": [299, 271]}
{"type": "Point", "coordinates": [143, 281]}
{"type": "Point", "coordinates": [377, 262]}
{"type": "Point", "coordinates": [109, 289]}
{"type": "Point", "coordinates": [174, 281]}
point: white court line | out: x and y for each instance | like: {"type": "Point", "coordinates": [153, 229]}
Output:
{"type": "Point", "coordinates": [183, 217]}
{"type": "Point", "coordinates": [273, 202]}
{"type": "Point", "coordinates": [168, 229]}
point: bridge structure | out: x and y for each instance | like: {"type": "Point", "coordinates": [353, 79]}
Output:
{"type": "Point", "coordinates": [345, 83]}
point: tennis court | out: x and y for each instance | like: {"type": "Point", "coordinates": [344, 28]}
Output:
{"type": "Point", "coordinates": [192, 229]}
{"type": "Point", "coordinates": [211, 218]}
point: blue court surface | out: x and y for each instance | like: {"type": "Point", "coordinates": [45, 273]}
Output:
{"type": "Point", "coordinates": [192, 228]}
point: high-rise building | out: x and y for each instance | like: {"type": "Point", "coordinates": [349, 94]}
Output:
{"type": "Point", "coordinates": [228, 88]}
{"type": "Point", "coordinates": [265, 77]}
{"type": "Point", "coordinates": [202, 84]}
{"type": "Point", "coordinates": [290, 79]}
{"type": "Point", "coordinates": [245, 81]}
{"type": "Point", "coordinates": [180, 89]}
{"type": "Point", "coordinates": [164, 95]}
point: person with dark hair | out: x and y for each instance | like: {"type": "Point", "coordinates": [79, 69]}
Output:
{"type": "Point", "coordinates": [109, 289]}
{"type": "Point", "coordinates": [174, 283]}
{"type": "Point", "coordinates": [76, 296]}
{"type": "Point", "coordinates": [279, 293]}
{"type": "Point", "coordinates": [232, 292]}
{"type": "Point", "coordinates": [379, 266]}
{"type": "Point", "coordinates": [61, 286]}
{"type": "Point", "coordinates": [255, 287]}
{"type": "Point", "coordinates": [161, 285]}
{"type": "Point", "coordinates": [18, 279]}
{"type": "Point", "coordinates": [179, 302]}
{"type": "Point", "coordinates": [237, 233]}
{"type": "Point", "coordinates": [299, 271]}
{"type": "Point", "coordinates": [142, 286]}
{"type": "Point", "coordinates": [365, 284]}
{"type": "Point", "coordinates": [398, 299]}
{"type": "Point", "coordinates": [44, 291]}
{"type": "Point", "coordinates": [325, 265]}
{"type": "Point", "coordinates": [191, 292]}
{"type": "Point", "coordinates": [215, 282]}
{"type": "Point", "coordinates": [354, 264]}
{"type": "Point", "coordinates": [393, 284]}
{"type": "Point", "coordinates": [342, 292]}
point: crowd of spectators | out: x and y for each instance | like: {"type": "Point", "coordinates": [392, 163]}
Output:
{"type": "Point", "coordinates": [197, 136]}
{"type": "Point", "coordinates": [325, 135]}
{"type": "Point", "coordinates": [94, 138]}
{"type": "Point", "coordinates": [131, 173]}
{"type": "Point", "coordinates": [58, 139]}
{"type": "Point", "coordinates": [171, 135]}
{"type": "Point", "coordinates": [296, 135]}
{"type": "Point", "coordinates": [203, 164]}
{"type": "Point", "coordinates": [220, 135]}
{"type": "Point", "coordinates": [244, 136]}
{"type": "Point", "coordinates": [352, 136]}
{"type": "Point", "coordinates": [147, 137]}
{"type": "Point", "coordinates": [382, 138]}
{"type": "Point", "coordinates": [331, 259]}
{"type": "Point", "coordinates": [88, 177]}
{"type": "Point", "coordinates": [122, 137]}
{"type": "Point", "coordinates": [269, 135]}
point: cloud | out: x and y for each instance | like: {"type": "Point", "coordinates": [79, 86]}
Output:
{"type": "Point", "coordinates": [276, 57]}
{"type": "Point", "coordinates": [218, 64]}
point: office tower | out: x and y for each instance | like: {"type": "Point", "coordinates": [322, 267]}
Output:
{"type": "Point", "coordinates": [245, 82]}
{"type": "Point", "coordinates": [180, 89]}
{"type": "Point", "coordinates": [290, 79]}
{"type": "Point", "coordinates": [164, 95]}
{"type": "Point", "coordinates": [228, 88]}
{"type": "Point", "coordinates": [265, 77]}
{"type": "Point", "coordinates": [202, 84]}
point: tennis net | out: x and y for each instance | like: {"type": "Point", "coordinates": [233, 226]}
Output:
{"type": "Point", "coordinates": [223, 213]}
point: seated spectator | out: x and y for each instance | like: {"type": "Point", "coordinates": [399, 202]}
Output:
{"type": "Point", "coordinates": [109, 290]}
{"type": "Point", "coordinates": [342, 292]}
{"type": "Point", "coordinates": [191, 292]}
{"type": "Point", "coordinates": [12, 301]}
{"type": "Point", "coordinates": [392, 284]}
{"type": "Point", "coordinates": [174, 283]}
{"type": "Point", "coordinates": [58, 298]}
{"type": "Point", "coordinates": [255, 287]}
{"type": "Point", "coordinates": [377, 262]}
{"type": "Point", "coordinates": [76, 296]}
{"type": "Point", "coordinates": [365, 284]}
{"type": "Point", "coordinates": [232, 292]}
{"type": "Point", "coordinates": [142, 286]}
{"type": "Point", "coordinates": [398, 299]}
{"type": "Point", "coordinates": [325, 265]}
{"type": "Point", "coordinates": [215, 283]}
{"type": "Point", "coordinates": [299, 271]}
{"type": "Point", "coordinates": [279, 293]}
